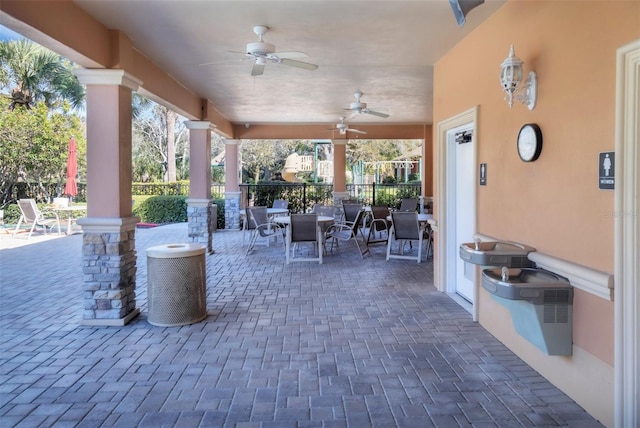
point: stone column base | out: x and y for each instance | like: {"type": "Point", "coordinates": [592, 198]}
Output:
{"type": "Point", "coordinates": [199, 215]}
{"type": "Point", "coordinates": [109, 268]}
{"type": "Point", "coordinates": [232, 210]}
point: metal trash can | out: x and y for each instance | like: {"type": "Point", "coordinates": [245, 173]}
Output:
{"type": "Point", "coordinates": [176, 284]}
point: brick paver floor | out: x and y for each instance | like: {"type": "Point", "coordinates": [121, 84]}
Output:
{"type": "Point", "coordinates": [350, 343]}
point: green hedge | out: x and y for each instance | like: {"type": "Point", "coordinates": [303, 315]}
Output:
{"type": "Point", "coordinates": [162, 209]}
{"type": "Point", "coordinates": [170, 209]}
{"type": "Point", "coordinates": [150, 209]}
{"type": "Point", "coordinates": [11, 214]}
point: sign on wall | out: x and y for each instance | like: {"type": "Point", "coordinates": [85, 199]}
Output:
{"type": "Point", "coordinates": [483, 174]}
{"type": "Point", "coordinates": [606, 170]}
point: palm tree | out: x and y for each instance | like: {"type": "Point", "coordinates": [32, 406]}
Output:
{"type": "Point", "coordinates": [30, 73]}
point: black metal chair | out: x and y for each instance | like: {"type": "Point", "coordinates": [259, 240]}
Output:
{"type": "Point", "coordinates": [405, 227]}
{"type": "Point", "coordinates": [262, 227]}
{"type": "Point", "coordinates": [408, 205]}
{"type": "Point", "coordinates": [345, 231]}
{"type": "Point", "coordinates": [303, 228]}
{"type": "Point", "coordinates": [379, 224]}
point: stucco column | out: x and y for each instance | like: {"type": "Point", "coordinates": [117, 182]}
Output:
{"type": "Point", "coordinates": [339, 171]}
{"type": "Point", "coordinates": [108, 245]}
{"type": "Point", "coordinates": [199, 209]}
{"type": "Point", "coordinates": [231, 187]}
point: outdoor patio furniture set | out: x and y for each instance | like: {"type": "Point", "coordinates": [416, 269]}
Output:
{"type": "Point", "coordinates": [364, 225]}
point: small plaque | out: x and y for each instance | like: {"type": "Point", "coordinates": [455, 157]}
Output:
{"type": "Point", "coordinates": [606, 170]}
{"type": "Point", "coordinates": [483, 174]}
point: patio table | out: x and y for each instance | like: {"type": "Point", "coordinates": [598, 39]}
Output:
{"type": "Point", "coordinates": [70, 209]}
{"type": "Point", "coordinates": [286, 220]}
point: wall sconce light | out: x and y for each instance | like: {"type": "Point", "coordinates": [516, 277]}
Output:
{"type": "Point", "coordinates": [511, 77]}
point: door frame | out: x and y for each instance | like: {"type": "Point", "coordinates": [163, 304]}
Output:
{"type": "Point", "coordinates": [627, 237]}
{"type": "Point", "coordinates": [454, 172]}
{"type": "Point", "coordinates": [440, 224]}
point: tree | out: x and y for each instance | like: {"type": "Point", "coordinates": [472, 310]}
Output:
{"type": "Point", "coordinates": [158, 137]}
{"type": "Point", "coordinates": [34, 147]}
{"type": "Point", "coordinates": [378, 150]}
{"type": "Point", "coordinates": [262, 157]}
{"type": "Point", "coordinates": [30, 73]}
{"type": "Point", "coordinates": [38, 91]}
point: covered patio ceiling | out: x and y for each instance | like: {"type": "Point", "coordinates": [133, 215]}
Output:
{"type": "Point", "coordinates": [385, 49]}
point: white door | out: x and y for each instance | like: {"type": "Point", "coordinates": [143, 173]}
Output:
{"type": "Point", "coordinates": [461, 206]}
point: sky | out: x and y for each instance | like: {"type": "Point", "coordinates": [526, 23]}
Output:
{"type": "Point", "coordinates": [7, 34]}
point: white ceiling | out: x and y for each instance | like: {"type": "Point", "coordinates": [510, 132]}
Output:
{"type": "Point", "coordinates": [386, 49]}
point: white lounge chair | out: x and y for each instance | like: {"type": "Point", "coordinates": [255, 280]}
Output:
{"type": "Point", "coordinates": [31, 215]}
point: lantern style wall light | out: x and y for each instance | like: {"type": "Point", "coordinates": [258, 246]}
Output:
{"type": "Point", "coordinates": [511, 79]}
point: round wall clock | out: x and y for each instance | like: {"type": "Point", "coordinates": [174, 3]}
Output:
{"type": "Point", "coordinates": [529, 142]}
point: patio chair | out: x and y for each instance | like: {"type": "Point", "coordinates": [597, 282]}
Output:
{"type": "Point", "coordinates": [345, 231]}
{"type": "Point", "coordinates": [31, 215]}
{"type": "Point", "coordinates": [428, 235]}
{"type": "Point", "coordinates": [247, 224]}
{"type": "Point", "coordinates": [281, 203]}
{"type": "Point", "coordinates": [405, 227]}
{"type": "Point", "coordinates": [303, 228]}
{"type": "Point", "coordinates": [262, 227]}
{"type": "Point", "coordinates": [327, 211]}
{"type": "Point", "coordinates": [379, 224]}
{"type": "Point", "coordinates": [350, 201]}
{"type": "Point", "coordinates": [351, 211]}
{"type": "Point", "coordinates": [408, 205]}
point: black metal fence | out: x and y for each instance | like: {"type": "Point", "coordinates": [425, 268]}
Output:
{"type": "Point", "coordinates": [41, 192]}
{"type": "Point", "coordinates": [302, 196]}
{"type": "Point", "coordinates": [174, 188]}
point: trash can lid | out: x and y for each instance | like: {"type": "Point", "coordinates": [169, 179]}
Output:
{"type": "Point", "coordinates": [172, 251]}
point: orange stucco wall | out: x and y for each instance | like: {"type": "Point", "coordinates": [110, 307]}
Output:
{"type": "Point", "coordinates": [554, 203]}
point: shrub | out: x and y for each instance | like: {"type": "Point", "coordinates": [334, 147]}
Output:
{"type": "Point", "coordinates": [162, 209]}
{"type": "Point", "coordinates": [11, 214]}
{"type": "Point", "coordinates": [220, 221]}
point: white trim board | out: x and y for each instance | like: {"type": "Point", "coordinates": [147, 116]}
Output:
{"type": "Point", "coordinates": [627, 237]}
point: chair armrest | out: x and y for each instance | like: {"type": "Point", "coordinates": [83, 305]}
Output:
{"type": "Point", "coordinates": [381, 221]}
{"type": "Point", "coordinates": [47, 211]}
{"type": "Point", "coordinates": [338, 227]}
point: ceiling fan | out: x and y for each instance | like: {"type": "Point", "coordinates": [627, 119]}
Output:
{"type": "Point", "coordinates": [262, 53]}
{"type": "Point", "coordinates": [361, 108]}
{"type": "Point", "coordinates": [344, 128]}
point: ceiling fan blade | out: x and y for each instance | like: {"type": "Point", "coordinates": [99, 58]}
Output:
{"type": "Point", "coordinates": [257, 69]}
{"type": "Point", "coordinates": [228, 61]}
{"type": "Point", "coordinates": [291, 55]}
{"type": "Point", "coordinates": [353, 114]}
{"type": "Point", "coordinates": [375, 113]}
{"type": "Point", "coordinates": [356, 131]}
{"type": "Point", "coordinates": [298, 64]}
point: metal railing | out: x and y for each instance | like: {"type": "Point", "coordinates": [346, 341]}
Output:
{"type": "Point", "coordinates": [173, 188]}
{"type": "Point", "coordinates": [302, 196]}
